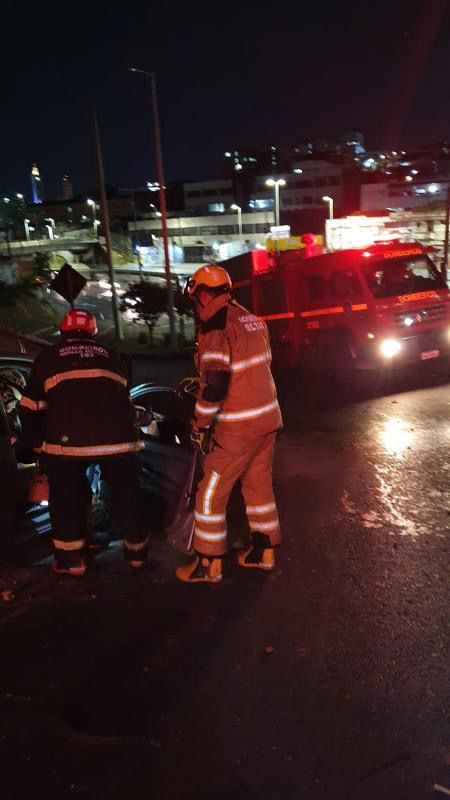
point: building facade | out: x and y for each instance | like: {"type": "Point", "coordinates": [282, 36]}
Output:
{"type": "Point", "coordinates": [213, 197]}
{"type": "Point", "coordinates": [402, 194]}
{"type": "Point", "coordinates": [196, 240]}
{"type": "Point", "coordinates": [306, 184]}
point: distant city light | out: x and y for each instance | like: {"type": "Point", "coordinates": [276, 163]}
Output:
{"type": "Point", "coordinates": [227, 154]}
{"type": "Point", "coordinates": [408, 178]}
{"type": "Point", "coordinates": [414, 172]}
{"type": "Point", "coordinates": [19, 196]}
{"type": "Point", "coordinates": [238, 167]}
{"type": "Point", "coordinates": [433, 188]}
{"type": "Point", "coordinates": [297, 171]}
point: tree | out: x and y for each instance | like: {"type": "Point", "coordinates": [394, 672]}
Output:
{"type": "Point", "coordinates": [147, 301]}
{"type": "Point", "coordinates": [12, 215]}
{"type": "Point", "coordinates": [183, 307]}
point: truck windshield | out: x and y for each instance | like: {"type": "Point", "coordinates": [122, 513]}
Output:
{"type": "Point", "coordinates": [400, 276]}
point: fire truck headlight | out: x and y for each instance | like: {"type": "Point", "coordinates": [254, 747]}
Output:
{"type": "Point", "coordinates": [390, 348]}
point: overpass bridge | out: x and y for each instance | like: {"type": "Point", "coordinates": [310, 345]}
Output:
{"type": "Point", "coordinates": [78, 243]}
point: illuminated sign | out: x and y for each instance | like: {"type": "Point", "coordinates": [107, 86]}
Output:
{"type": "Point", "coordinates": [410, 251]}
{"type": "Point", "coordinates": [406, 298]}
{"type": "Point", "coordinates": [280, 231]}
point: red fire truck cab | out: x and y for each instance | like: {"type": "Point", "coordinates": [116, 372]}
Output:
{"type": "Point", "coordinates": [387, 303]}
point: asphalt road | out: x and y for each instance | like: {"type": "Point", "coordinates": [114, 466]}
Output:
{"type": "Point", "coordinates": [327, 679]}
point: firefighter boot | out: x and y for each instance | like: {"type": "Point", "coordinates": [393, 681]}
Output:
{"type": "Point", "coordinates": [76, 572]}
{"type": "Point", "coordinates": [201, 570]}
{"type": "Point", "coordinates": [259, 556]}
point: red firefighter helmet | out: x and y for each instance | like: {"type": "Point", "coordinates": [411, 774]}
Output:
{"type": "Point", "coordinates": [76, 320]}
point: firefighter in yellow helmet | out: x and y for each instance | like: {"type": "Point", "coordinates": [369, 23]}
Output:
{"type": "Point", "coordinates": [235, 423]}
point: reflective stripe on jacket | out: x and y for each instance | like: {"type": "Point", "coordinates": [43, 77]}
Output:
{"type": "Point", "coordinates": [233, 340]}
{"type": "Point", "coordinates": [76, 403]}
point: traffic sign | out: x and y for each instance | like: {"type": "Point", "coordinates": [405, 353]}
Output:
{"type": "Point", "coordinates": [68, 283]}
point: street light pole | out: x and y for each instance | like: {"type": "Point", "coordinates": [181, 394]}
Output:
{"type": "Point", "coordinates": [237, 208]}
{"type": "Point", "coordinates": [447, 233]}
{"type": "Point", "coordinates": [276, 183]}
{"type": "Point", "coordinates": [162, 199]}
{"type": "Point", "coordinates": [101, 177]}
{"type": "Point", "coordinates": [329, 200]}
{"type": "Point", "coordinates": [93, 206]}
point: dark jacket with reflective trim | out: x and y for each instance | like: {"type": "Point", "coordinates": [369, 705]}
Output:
{"type": "Point", "coordinates": [76, 403]}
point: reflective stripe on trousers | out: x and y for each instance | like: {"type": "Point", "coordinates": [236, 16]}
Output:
{"type": "Point", "coordinates": [232, 459]}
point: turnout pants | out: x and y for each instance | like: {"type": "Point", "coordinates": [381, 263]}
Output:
{"type": "Point", "coordinates": [230, 459]}
{"type": "Point", "coordinates": [69, 505]}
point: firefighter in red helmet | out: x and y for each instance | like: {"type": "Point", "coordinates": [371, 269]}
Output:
{"type": "Point", "coordinates": [235, 423]}
{"type": "Point", "coordinates": [76, 410]}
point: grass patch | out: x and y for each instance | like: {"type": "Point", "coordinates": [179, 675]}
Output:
{"type": "Point", "coordinates": [29, 315]}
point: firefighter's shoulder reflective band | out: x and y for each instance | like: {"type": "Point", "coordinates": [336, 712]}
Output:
{"type": "Point", "coordinates": [238, 366]}
{"type": "Point", "coordinates": [79, 544]}
{"type": "Point", "coordinates": [201, 409]}
{"type": "Point", "coordinates": [80, 374]}
{"type": "Point", "coordinates": [91, 450]}
{"type": "Point", "coordinates": [136, 546]}
{"type": "Point", "coordinates": [214, 356]}
{"type": "Point", "coordinates": [250, 413]}
{"type": "Point", "coordinates": [210, 537]}
{"type": "Point", "coordinates": [33, 405]}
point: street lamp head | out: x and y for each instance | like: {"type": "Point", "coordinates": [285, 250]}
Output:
{"type": "Point", "coordinates": [141, 71]}
{"type": "Point", "coordinates": [90, 202]}
{"type": "Point", "coordinates": [281, 182]}
{"type": "Point", "coordinates": [235, 207]}
{"type": "Point", "coordinates": [270, 182]}
{"type": "Point", "coordinates": [327, 199]}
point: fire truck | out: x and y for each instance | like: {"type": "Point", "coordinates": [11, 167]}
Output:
{"type": "Point", "coordinates": [361, 308]}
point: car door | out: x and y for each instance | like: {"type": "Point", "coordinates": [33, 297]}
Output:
{"type": "Point", "coordinates": [169, 464]}
{"type": "Point", "coordinates": [8, 482]}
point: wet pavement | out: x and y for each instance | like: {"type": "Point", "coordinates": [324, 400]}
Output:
{"type": "Point", "coordinates": [328, 678]}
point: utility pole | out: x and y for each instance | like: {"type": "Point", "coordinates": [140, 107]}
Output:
{"type": "Point", "coordinates": [446, 239]}
{"type": "Point", "coordinates": [105, 214]}
{"type": "Point", "coordinates": [162, 198]}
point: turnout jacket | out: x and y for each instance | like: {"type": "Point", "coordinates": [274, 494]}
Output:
{"type": "Point", "coordinates": [237, 392]}
{"type": "Point", "coordinates": [76, 403]}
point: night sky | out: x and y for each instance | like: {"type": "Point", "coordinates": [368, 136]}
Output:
{"type": "Point", "coordinates": [228, 73]}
